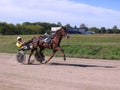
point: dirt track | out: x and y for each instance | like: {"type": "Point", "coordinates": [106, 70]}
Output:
{"type": "Point", "coordinates": [73, 74]}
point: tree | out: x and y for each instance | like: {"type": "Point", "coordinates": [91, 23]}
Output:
{"type": "Point", "coordinates": [68, 26]}
{"type": "Point", "coordinates": [75, 26]}
{"type": "Point", "coordinates": [18, 29]}
{"type": "Point", "coordinates": [7, 29]}
{"type": "Point", "coordinates": [95, 29]}
{"type": "Point", "coordinates": [115, 29]}
{"type": "Point", "coordinates": [109, 31]}
{"type": "Point", "coordinates": [25, 28]}
{"type": "Point", "coordinates": [103, 30]}
{"type": "Point", "coordinates": [59, 24]}
{"type": "Point", "coordinates": [83, 26]}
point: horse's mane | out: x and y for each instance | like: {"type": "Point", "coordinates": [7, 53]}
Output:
{"type": "Point", "coordinates": [58, 31]}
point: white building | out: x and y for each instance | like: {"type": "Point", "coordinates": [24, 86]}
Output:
{"type": "Point", "coordinates": [54, 29]}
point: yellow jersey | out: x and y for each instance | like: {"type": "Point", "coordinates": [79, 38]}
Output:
{"type": "Point", "coordinates": [19, 44]}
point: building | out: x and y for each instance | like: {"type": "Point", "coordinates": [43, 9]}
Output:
{"type": "Point", "coordinates": [73, 30]}
{"type": "Point", "coordinates": [79, 31]}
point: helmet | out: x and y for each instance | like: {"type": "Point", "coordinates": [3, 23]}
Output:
{"type": "Point", "coordinates": [18, 37]}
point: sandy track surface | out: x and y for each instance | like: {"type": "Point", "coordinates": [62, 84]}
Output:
{"type": "Point", "coordinates": [73, 74]}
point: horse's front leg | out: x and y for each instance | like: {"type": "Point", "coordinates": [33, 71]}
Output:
{"type": "Point", "coordinates": [30, 56]}
{"type": "Point", "coordinates": [63, 54]}
{"type": "Point", "coordinates": [54, 51]}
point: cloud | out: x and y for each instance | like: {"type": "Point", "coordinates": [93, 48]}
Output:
{"type": "Point", "coordinates": [65, 11]}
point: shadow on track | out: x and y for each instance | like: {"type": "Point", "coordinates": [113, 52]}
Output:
{"type": "Point", "coordinates": [80, 65]}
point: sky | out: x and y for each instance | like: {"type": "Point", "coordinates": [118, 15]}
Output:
{"type": "Point", "coordinates": [93, 13]}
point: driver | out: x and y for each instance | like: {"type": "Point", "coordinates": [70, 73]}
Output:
{"type": "Point", "coordinates": [19, 42]}
{"type": "Point", "coordinates": [23, 45]}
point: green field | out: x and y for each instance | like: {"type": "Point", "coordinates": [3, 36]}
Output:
{"type": "Point", "coordinates": [102, 46]}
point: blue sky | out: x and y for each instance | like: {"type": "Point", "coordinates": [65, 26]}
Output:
{"type": "Point", "coordinates": [93, 13]}
{"type": "Point", "coordinates": [109, 4]}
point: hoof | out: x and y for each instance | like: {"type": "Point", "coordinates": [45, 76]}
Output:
{"type": "Point", "coordinates": [64, 59]}
{"type": "Point", "coordinates": [29, 63]}
{"type": "Point", "coordinates": [44, 62]}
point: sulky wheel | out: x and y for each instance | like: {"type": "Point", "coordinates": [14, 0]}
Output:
{"type": "Point", "coordinates": [39, 57]}
{"type": "Point", "coordinates": [21, 57]}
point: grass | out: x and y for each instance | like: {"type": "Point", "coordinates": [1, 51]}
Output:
{"type": "Point", "coordinates": [101, 46]}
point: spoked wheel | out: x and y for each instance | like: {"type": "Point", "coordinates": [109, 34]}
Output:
{"type": "Point", "coordinates": [39, 57]}
{"type": "Point", "coordinates": [21, 57]}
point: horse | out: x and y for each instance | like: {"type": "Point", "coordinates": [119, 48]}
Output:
{"type": "Point", "coordinates": [54, 45]}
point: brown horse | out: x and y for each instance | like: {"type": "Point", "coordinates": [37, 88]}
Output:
{"type": "Point", "coordinates": [54, 44]}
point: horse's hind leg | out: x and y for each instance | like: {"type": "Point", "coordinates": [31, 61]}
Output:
{"type": "Point", "coordinates": [41, 52]}
{"type": "Point", "coordinates": [30, 56]}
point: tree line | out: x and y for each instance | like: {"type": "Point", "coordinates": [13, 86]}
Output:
{"type": "Point", "coordinates": [42, 27]}
{"type": "Point", "coordinates": [25, 28]}
{"type": "Point", "coordinates": [103, 30]}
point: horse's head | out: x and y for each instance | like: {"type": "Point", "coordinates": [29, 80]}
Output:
{"type": "Point", "coordinates": [64, 32]}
